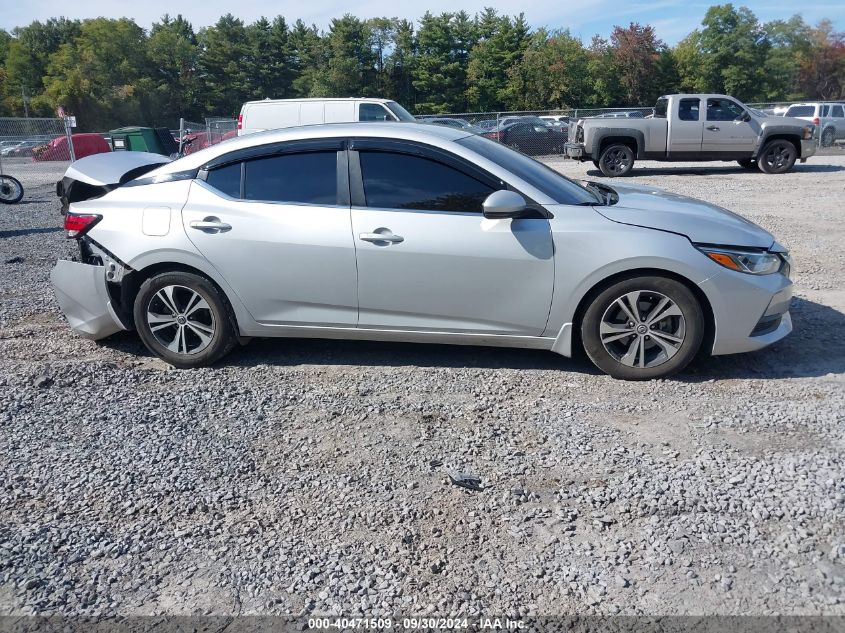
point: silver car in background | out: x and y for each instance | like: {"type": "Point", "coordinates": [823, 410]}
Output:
{"type": "Point", "coordinates": [405, 232]}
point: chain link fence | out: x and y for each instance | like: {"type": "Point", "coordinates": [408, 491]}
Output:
{"type": "Point", "coordinates": [194, 136]}
{"type": "Point", "coordinates": [35, 151]}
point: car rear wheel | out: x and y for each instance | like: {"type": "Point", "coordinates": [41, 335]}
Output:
{"type": "Point", "coordinates": [642, 328]}
{"type": "Point", "coordinates": [184, 319]}
{"type": "Point", "coordinates": [616, 160]}
{"type": "Point", "coordinates": [828, 136]}
{"type": "Point", "coordinates": [747, 163]}
{"type": "Point", "coordinates": [777, 157]}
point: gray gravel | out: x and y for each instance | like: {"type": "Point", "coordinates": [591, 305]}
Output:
{"type": "Point", "coordinates": [319, 477]}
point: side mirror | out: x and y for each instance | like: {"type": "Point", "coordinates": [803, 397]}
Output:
{"type": "Point", "coordinates": [503, 204]}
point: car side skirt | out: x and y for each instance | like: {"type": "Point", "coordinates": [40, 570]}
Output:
{"type": "Point", "coordinates": [403, 336]}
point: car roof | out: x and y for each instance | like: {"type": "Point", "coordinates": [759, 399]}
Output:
{"type": "Point", "coordinates": [371, 99]}
{"type": "Point", "coordinates": [815, 103]}
{"type": "Point", "coordinates": [410, 131]}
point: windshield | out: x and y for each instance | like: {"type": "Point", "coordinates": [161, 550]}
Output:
{"type": "Point", "coordinates": [401, 113]}
{"type": "Point", "coordinates": [556, 186]}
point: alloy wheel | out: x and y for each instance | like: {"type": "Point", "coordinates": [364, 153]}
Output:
{"type": "Point", "coordinates": [617, 161]}
{"type": "Point", "coordinates": [642, 329]}
{"type": "Point", "coordinates": [778, 156]}
{"type": "Point", "coordinates": [181, 320]}
{"type": "Point", "coordinates": [828, 137]}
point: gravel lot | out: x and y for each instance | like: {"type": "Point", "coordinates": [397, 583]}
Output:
{"type": "Point", "coordinates": [310, 476]}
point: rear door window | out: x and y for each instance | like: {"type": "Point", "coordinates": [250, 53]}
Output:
{"type": "Point", "coordinates": [688, 109]}
{"type": "Point", "coordinates": [306, 178]}
{"type": "Point", "coordinates": [401, 181]}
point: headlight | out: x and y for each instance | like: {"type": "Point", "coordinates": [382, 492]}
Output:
{"type": "Point", "coordinates": [744, 261]}
{"type": "Point", "coordinates": [808, 132]}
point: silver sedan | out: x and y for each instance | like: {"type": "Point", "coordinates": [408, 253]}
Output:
{"type": "Point", "coordinates": [406, 232]}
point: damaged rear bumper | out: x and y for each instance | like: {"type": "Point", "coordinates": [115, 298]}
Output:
{"type": "Point", "coordinates": [82, 294]}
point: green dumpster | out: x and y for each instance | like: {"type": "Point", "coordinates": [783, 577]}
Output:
{"type": "Point", "coordinates": [157, 140]}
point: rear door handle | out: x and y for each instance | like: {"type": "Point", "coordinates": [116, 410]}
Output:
{"type": "Point", "coordinates": [713, 128]}
{"type": "Point", "coordinates": [210, 225]}
{"type": "Point", "coordinates": [381, 237]}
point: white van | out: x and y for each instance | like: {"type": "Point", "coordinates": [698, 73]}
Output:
{"type": "Point", "coordinates": [271, 114]}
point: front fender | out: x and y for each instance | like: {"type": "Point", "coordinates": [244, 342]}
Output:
{"type": "Point", "coordinates": [580, 266]}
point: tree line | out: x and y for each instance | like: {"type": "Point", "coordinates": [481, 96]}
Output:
{"type": "Point", "coordinates": [112, 72]}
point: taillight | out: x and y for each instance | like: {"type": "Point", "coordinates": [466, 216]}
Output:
{"type": "Point", "coordinates": [816, 121]}
{"type": "Point", "coordinates": [240, 121]}
{"type": "Point", "coordinates": [496, 136]}
{"type": "Point", "coordinates": [77, 224]}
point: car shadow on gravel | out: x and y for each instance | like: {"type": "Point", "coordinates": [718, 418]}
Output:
{"type": "Point", "coordinates": [812, 349]}
{"type": "Point", "coordinates": [32, 231]}
{"type": "Point", "coordinates": [302, 351]}
{"type": "Point", "coordinates": [388, 354]}
{"type": "Point", "coordinates": [711, 171]}
{"type": "Point", "coordinates": [809, 351]}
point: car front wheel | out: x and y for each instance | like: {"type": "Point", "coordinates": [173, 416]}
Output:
{"type": "Point", "coordinates": [777, 157]}
{"type": "Point", "coordinates": [616, 160]}
{"type": "Point", "coordinates": [184, 319]}
{"type": "Point", "coordinates": [642, 328]}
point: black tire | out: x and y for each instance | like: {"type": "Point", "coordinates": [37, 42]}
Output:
{"type": "Point", "coordinates": [11, 190]}
{"type": "Point", "coordinates": [687, 327]}
{"type": "Point", "coordinates": [777, 157]}
{"type": "Point", "coordinates": [747, 163]}
{"type": "Point", "coordinates": [828, 137]}
{"type": "Point", "coordinates": [616, 160]}
{"type": "Point", "coordinates": [156, 300]}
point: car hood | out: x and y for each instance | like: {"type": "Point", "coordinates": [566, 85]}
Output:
{"type": "Point", "coordinates": [700, 221]}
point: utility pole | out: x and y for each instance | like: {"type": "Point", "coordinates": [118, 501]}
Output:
{"type": "Point", "coordinates": [25, 105]}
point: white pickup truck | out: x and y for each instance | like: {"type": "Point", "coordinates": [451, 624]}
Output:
{"type": "Point", "coordinates": [693, 127]}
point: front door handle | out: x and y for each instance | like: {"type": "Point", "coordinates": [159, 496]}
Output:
{"type": "Point", "coordinates": [381, 237]}
{"type": "Point", "coordinates": [713, 128]}
{"type": "Point", "coordinates": [211, 225]}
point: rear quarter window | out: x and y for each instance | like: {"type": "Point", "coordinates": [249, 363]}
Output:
{"type": "Point", "coordinates": [800, 111]}
{"type": "Point", "coordinates": [226, 180]}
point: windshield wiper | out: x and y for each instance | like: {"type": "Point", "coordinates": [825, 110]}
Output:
{"type": "Point", "coordinates": [597, 192]}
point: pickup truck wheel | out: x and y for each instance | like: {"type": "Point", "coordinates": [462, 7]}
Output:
{"type": "Point", "coordinates": [616, 160]}
{"type": "Point", "coordinates": [828, 137]}
{"type": "Point", "coordinates": [777, 157]}
{"type": "Point", "coordinates": [747, 163]}
{"type": "Point", "coordinates": [642, 328]}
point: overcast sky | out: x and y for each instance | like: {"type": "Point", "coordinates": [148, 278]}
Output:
{"type": "Point", "coordinates": [672, 18]}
